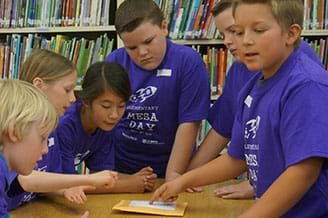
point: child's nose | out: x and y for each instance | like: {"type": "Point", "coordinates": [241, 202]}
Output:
{"type": "Point", "coordinates": [248, 39]}
{"type": "Point", "coordinates": [114, 113]}
{"type": "Point", "coordinates": [143, 51]}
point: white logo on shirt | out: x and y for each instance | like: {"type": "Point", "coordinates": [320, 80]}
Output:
{"type": "Point", "coordinates": [51, 141]}
{"type": "Point", "coordinates": [248, 101]}
{"type": "Point", "coordinates": [79, 157]}
{"type": "Point", "coordinates": [43, 168]}
{"type": "Point", "coordinates": [164, 72]}
{"type": "Point", "coordinates": [143, 93]}
{"type": "Point", "coordinates": [28, 197]}
{"type": "Point", "coordinates": [251, 127]}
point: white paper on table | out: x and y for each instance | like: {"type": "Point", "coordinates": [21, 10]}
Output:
{"type": "Point", "coordinates": [156, 204]}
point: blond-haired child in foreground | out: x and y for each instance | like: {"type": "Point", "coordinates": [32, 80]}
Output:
{"type": "Point", "coordinates": [26, 119]}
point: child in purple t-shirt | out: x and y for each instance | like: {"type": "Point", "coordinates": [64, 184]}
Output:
{"type": "Point", "coordinates": [84, 132]}
{"type": "Point", "coordinates": [170, 93]}
{"type": "Point", "coordinates": [279, 133]}
{"type": "Point", "coordinates": [222, 113]}
{"type": "Point", "coordinates": [55, 76]}
{"type": "Point", "coordinates": [26, 119]}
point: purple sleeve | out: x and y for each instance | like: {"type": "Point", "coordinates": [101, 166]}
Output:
{"type": "Point", "coordinates": [15, 187]}
{"type": "Point", "coordinates": [236, 146]}
{"type": "Point", "coordinates": [194, 97]}
{"type": "Point", "coordinates": [221, 114]}
{"type": "Point", "coordinates": [304, 129]}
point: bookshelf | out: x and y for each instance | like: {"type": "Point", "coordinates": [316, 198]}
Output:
{"type": "Point", "coordinates": [82, 31]}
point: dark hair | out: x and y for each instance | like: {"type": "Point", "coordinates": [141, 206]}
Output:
{"type": "Point", "coordinates": [105, 76]}
{"type": "Point", "coordinates": [221, 6]}
{"type": "Point", "coordinates": [131, 13]}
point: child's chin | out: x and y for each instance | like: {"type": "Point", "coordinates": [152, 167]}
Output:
{"type": "Point", "coordinates": [25, 172]}
{"type": "Point", "coordinates": [107, 128]}
{"type": "Point", "coordinates": [252, 67]}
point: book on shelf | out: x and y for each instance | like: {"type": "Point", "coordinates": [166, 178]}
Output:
{"type": "Point", "coordinates": [194, 9]}
{"type": "Point", "coordinates": [315, 14]}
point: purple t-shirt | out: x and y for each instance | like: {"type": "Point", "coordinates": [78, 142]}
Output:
{"type": "Point", "coordinates": [76, 145]}
{"type": "Point", "coordinates": [282, 121]}
{"type": "Point", "coordinates": [4, 184]}
{"type": "Point", "coordinates": [222, 113]}
{"type": "Point", "coordinates": [51, 162]}
{"type": "Point", "coordinates": [174, 93]}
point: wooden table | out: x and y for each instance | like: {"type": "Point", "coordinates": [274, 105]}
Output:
{"type": "Point", "coordinates": [200, 205]}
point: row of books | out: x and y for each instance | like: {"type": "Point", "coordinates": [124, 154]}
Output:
{"type": "Point", "coordinates": [189, 19]}
{"type": "Point", "coordinates": [82, 52]}
{"type": "Point", "coordinates": [315, 14]}
{"type": "Point", "coordinates": [51, 13]}
{"type": "Point", "coordinates": [320, 46]}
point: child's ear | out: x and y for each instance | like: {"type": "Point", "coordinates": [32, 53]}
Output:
{"type": "Point", "coordinates": [294, 33]}
{"type": "Point", "coordinates": [38, 82]}
{"type": "Point", "coordinates": [11, 133]}
{"type": "Point", "coordinates": [164, 27]}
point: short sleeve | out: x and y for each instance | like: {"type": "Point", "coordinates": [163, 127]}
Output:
{"type": "Point", "coordinates": [304, 125]}
{"type": "Point", "coordinates": [194, 97]}
{"type": "Point", "coordinates": [221, 115]}
{"type": "Point", "coordinates": [236, 147]}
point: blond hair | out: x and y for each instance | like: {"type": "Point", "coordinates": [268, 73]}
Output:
{"type": "Point", "coordinates": [47, 65]}
{"type": "Point", "coordinates": [286, 12]}
{"type": "Point", "coordinates": [21, 105]}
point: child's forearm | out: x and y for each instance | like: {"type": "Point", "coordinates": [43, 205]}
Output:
{"type": "Point", "coordinates": [287, 190]}
{"type": "Point", "coordinates": [210, 148]}
{"type": "Point", "coordinates": [123, 185]}
{"type": "Point", "coordinates": [59, 192]}
{"type": "Point", "coordinates": [51, 182]}
{"type": "Point", "coordinates": [215, 171]}
{"type": "Point", "coordinates": [184, 143]}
